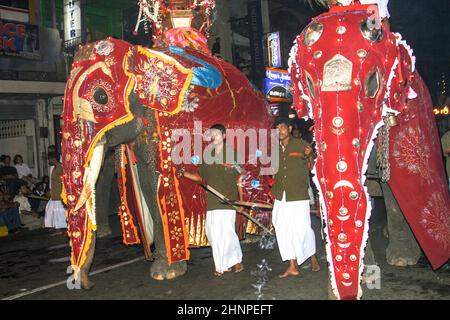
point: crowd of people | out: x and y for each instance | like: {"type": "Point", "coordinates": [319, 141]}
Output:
{"type": "Point", "coordinates": [29, 203]}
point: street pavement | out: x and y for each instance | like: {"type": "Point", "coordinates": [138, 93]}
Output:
{"type": "Point", "coordinates": [33, 265]}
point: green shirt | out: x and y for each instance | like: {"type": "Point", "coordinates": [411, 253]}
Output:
{"type": "Point", "coordinates": [445, 140]}
{"type": "Point", "coordinates": [293, 173]}
{"type": "Point", "coordinates": [221, 176]}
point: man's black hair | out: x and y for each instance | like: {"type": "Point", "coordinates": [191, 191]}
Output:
{"type": "Point", "coordinates": [220, 127]}
{"type": "Point", "coordinates": [282, 120]}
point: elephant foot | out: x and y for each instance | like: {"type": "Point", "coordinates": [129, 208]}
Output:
{"type": "Point", "coordinates": [401, 262]}
{"type": "Point", "coordinates": [385, 232]}
{"type": "Point", "coordinates": [160, 270]}
{"type": "Point", "coordinates": [103, 232]}
{"type": "Point", "coordinates": [86, 284]}
{"type": "Point", "coordinates": [176, 270]}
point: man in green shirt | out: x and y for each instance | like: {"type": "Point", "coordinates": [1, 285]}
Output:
{"type": "Point", "coordinates": [445, 141]}
{"type": "Point", "coordinates": [220, 172]}
{"type": "Point", "coordinates": [291, 212]}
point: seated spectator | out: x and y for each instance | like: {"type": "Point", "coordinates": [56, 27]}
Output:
{"type": "Point", "coordinates": [22, 168]}
{"type": "Point", "coordinates": [9, 213]}
{"type": "Point", "coordinates": [46, 183]}
{"type": "Point", "coordinates": [38, 199]}
{"type": "Point", "coordinates": [7, 171]}
{"type": "Point", "coordinates": [29, 218]}
{"type": "Point", "coordinates": [2, 159]}
{"type": "Point", "coordinates": [9, 174]}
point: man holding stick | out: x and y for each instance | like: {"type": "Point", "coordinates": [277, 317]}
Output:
{"type": "Point", "coordinates": [221, 217]}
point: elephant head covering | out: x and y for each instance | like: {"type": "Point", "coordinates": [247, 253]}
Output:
{"type": "Point", "coordinates": [354, 80]}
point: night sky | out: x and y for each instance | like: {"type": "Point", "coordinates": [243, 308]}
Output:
{"type": "Point", "coordinates": [424, 25]}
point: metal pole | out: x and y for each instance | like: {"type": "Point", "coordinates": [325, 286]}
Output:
{"type": "Point", "coordinates": [53, 14]}
{"type": "Point", "coordinates": [83, 21]}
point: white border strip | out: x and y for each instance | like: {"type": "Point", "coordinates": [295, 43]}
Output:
{"type": "Point", "coordinates": [23, 294]}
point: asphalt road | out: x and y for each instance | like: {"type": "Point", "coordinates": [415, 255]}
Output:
{"type": "Point", "coordinates": [34, 260]}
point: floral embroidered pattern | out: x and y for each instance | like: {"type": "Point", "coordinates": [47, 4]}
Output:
{"type": "Point", "coordinates": [176, 234]}
{"type": "Point", "coordinates": [412, 152]}
{"type": "Point", "coordinates": [178, 250]}
{"type": "Point", "coordinates": [435, 218]}
{"type": "Point", "coordinates": [157, 81]}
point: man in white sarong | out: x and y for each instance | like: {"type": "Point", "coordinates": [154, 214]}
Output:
{"type": "Point", "coordinates": [223, 176]}
{"type": "Point", "coordinates": [291, 212]}
{"type": "Point", "coordinates": [55, 213]}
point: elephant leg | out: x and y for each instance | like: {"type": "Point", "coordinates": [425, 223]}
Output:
{"type": "Point", "coordinates": [84, 271]}
{"type": "Point", "coordinates": [402, 249]}
{"type": "Point", "coordinates": [103, 199]}
{"type": "Point", "coordinates": [160, 269]}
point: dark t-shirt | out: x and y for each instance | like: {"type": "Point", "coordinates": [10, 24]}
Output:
{"type": "Point", "coordinates": [8, 172]}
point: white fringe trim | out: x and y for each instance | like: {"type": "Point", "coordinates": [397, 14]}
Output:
{"type": "Point", "coordinates": [400, 42]}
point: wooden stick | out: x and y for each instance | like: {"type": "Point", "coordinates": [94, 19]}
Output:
{"type": "Point", "coordinates": [225, 200]}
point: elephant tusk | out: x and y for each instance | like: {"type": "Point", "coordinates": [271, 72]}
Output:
{"type": "Point", "coordinates": [344, 218]}
{"type": "Point", "coordinates": [91, 174]}
{"type": "Point", "coordinates": [84, 196]}
{"type": "Point", "coordinates": [347, 284]}
{"type": "Point", "coordinates": [343, 183]}
{"type": "Point", "coordinates": [344, 245]}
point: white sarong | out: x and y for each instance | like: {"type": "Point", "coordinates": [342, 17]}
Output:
{"type": "Point", "coordinates": [55, 215]}
{"type": "Point", "coordinates": [221, 233]}
{"type": "Point", "coordinates": [295, 237]}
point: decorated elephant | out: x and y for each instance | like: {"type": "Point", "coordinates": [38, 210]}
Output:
{"type": "Point", "coordinates": [130, 103]}
{"type": "Point", "coordinates": [359, 82]}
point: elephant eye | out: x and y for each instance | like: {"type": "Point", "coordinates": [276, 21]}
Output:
{"type": "Point", "coordinates": [373, 82]}
{"type": "Point", "coordinates": [100, 96]}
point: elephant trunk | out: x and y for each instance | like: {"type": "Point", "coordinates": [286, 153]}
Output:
{"type": "Point", "coordinates": [343, 151]}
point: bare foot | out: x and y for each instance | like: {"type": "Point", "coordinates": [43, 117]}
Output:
{"type": "Point", "coordinates": [228, 270]}
{"type": "Point", "coordinates": [57, 233]}
{"type": "Point", "coordinates": [238, 267]}
{"type": "Point", "coordinates": [218, 274]}
{"type": "Point", "coordinates": [289, 272]}
{"type": "Point", "coordinates": [315, 266]}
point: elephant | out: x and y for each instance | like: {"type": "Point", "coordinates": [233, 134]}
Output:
{"type": "Point", "coordinates": [359, 82]}
{"type": "Point", "coordinates": [402, 249]}
{"type": "Point", "coordinates": [127, 110]}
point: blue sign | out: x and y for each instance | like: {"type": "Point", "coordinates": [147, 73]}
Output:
{"type": "Point", "coordinates": [274, 48]}
{"type": "Point", "coordinates": [278, 85]}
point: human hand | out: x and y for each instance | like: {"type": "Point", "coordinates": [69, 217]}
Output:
{"type": "Point", "coordinates": [179, 170]}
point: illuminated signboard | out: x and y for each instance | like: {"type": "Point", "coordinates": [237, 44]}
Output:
{"type": "Point", "coordinates": [19, 39]}
{"type": "Point", "coordinates": [72, 22]}
{"type": "Point", "coordinates": [278, 85]}
{"type": "Point", "coordinates": [441, 111]}
{"type": "Point", "coordinates": [274, 48]}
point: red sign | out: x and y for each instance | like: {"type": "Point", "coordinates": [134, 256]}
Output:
{"type": "Point", "coordinates": [19, 39]}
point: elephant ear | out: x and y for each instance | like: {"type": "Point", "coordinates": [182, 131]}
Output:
{"type": "Point", "coordinates": [399, 86]}
{"type": "Point", "coordinates": [161, 82]}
